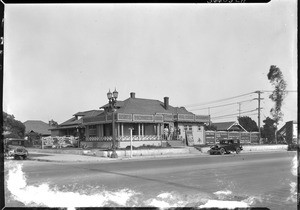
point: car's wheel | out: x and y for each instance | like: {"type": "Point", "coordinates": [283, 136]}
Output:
{"type": "Point", "coordinates": [238, 150]}
{"type": "Point", "coordinates": [222, 151]}
{"type": "Point", "coordinates": [24, 157]}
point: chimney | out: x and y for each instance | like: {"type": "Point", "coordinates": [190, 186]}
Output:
{"type": "Point", "coordinates": [166, 102]}
{"type": "Point", "coordinates": [132, 95]}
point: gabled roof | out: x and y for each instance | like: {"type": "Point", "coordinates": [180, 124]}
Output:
{"type": "Point", "coordinates": [282, 129]}
{"type": "Point", "coordinates": [88, 113]}
{"type": "Point", "coordinates": [118, 104]}
{"type": "Point", "coordinates": [133, 109]}
{"type": "Point", "coordinates": [37, 126]}
{"type": "Point", "coordinates": [148, 106]}
{"type": "Point", "coordinates": [74, 121]}
{"type": "Point", "coordinates": [228, 126]}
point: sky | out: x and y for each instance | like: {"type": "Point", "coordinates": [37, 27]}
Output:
{"type": "Point", "coordinates": [60, 59]}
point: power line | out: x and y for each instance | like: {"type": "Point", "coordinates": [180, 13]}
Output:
{"type": "Point", "coordinates": [235, 113]}
{"type": "Point", "coordinates": [221, 111]}
{"type": "Point", "coordinates": [247, 106]}
{"type": "Point", "coordinates": [233, 116]}
{"type": "Point", "coordinates": [222, 105]}
{"type": "Point", "coordinates": [224, 99]}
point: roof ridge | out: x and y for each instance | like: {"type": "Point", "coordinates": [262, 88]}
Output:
{"type": "Point", "coordinates": [34, 121]}
{"type": "Point", "coordinates": [143, 99]}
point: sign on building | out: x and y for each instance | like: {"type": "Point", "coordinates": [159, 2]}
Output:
{"type": "Point", "coordinates": [245, 138]}
{"type": "Point", "coordinates": [210, 137]}
{"type": "Point", "coordinates": [221, 135]}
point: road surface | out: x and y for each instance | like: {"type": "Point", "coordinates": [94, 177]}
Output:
{"type": "Point", "coordinates": [257, 179]}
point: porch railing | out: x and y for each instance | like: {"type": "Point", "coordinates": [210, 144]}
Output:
{"type": "Point", "coordinates": [126, 138]}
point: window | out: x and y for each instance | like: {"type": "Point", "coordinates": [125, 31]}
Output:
{"type": "Point", "coordinates": [135, 130]}
{"type": "Point", "coordinates": [188, 127]}
{"type": "Point", "coordinates": [92, 130]}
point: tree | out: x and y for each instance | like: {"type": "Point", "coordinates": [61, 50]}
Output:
{"type": "Point", "coordinates": [275, 77]}
{"type": "Point", "coordinates": [53, 123]}
{"type": "Point", "coordinates": [12, 128]}
{"type": "Point", "coordinates": [247, 123]}
{"type": "Point", "coordinates": [268, 130]}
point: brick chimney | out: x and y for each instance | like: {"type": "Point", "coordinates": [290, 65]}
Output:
{"type": "Point", "coordinates": [132, 95]}
{"type": "Point", "coordinates": [166, 102]}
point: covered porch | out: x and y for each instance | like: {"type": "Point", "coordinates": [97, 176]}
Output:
{"type": "Point", "coordinates": [146, 130]}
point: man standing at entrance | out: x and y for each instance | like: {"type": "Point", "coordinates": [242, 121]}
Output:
{"type": "Point", "coordinates": [171, 133]}
{"type": "Point", "coordinates": [166, 133]}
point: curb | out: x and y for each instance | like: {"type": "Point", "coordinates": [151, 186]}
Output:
{"type": "Point", "coordinates": [86, 155]}
{"type": "Point", "coordinates": [43, 160]}
{"type": "Point", "coordinates": [139, 158]}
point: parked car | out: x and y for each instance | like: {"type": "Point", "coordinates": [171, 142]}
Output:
{"type": "Point", "coordinates": [226, 146]}
{"type": "Point", "coordinates": [14, 148]}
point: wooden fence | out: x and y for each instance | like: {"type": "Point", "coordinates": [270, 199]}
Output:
{"type": "Point", "coordinates": [214, 137]}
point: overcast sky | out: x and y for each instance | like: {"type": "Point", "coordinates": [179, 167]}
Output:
{"type": "Point", "coordinates": [62, 59]}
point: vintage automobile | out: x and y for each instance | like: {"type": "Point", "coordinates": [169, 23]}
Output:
{"type": "Point", "coordinates": [226, 146]}
{"type": "Point", "coordinates": [14, 148]}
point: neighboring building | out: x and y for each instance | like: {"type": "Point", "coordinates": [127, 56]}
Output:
{"type": "Point", "coordinates": [74, 126]}
{"type": "Point", "coordinates": [288, 133]}
{"type": "Point", "coordinates": [148, 118]}
{"type": "Point", "coordinates": [37, 126]}
{"type": "Point", "coordinates": [229, 126]}
{"type": "Point", "coordinates": [34, 130]}
{"type": "Point", "coordinates": [230, 130]}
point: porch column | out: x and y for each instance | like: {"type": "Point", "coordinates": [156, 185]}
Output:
{"type": "Point", "coordinates": [139, 132]}
{"type": "Point", "coordinates": [101, 130]}
{"type": "Point", "coordinates": [87, 135]}
{"type": "Point", "coordinates": [122, 129]}
{"type": "Point", "coordinates": [142, 129]}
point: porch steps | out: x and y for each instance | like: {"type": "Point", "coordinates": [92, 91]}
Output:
{"type": "Point", "coordinates": [194, 150]}
{"type": "Point", "coordinates": [198, 148]}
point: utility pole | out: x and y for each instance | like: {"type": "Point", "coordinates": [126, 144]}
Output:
{"type": "Point", "coordinates": [209, 114]}
{"type": "Point", "coordinates": [258, 109]}
{"type": "Point", "coordinates": [239, 109]}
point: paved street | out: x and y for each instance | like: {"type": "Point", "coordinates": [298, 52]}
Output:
{"type": "Point", "coordinates": [258, 179]}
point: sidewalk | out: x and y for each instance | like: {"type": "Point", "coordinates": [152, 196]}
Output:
{"type": "Point", "coordinates": [98, 155]}
{"type": "Point", "coordinates": [56, 157]}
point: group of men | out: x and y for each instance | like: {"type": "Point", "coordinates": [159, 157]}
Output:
{"type": "Point", "coordinates": [169, 133]}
